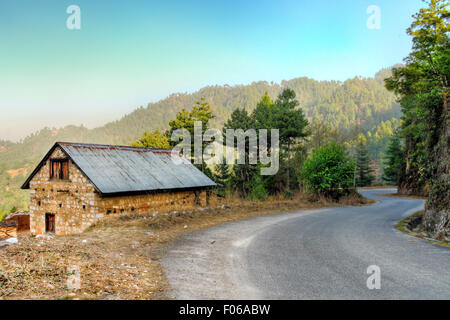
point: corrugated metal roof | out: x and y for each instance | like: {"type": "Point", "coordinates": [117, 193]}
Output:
{"type": "Point", "coordinates": [121, 169]}
{"type": "Point", "coordinates": [115, 169]}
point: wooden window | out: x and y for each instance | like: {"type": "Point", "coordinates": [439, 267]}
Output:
{"type": "Point", "coordinates": [59, 169]}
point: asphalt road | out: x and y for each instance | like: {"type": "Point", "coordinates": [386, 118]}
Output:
{"type": "Point", "coordinates": [317, 254]}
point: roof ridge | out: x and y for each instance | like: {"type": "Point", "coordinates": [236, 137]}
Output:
{"type": "Point", "coordinates": [82, 144]}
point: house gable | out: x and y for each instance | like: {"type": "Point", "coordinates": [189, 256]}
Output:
{"type": "Point", "coordinates": [68, 200]}
{"type": "Point", "coordinates": [55, 153]}
{"type": "Point", "coordinates": [42, 174]}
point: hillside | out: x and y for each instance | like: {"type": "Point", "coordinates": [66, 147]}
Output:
{"type": "Point", "coordinates": [356, 103]}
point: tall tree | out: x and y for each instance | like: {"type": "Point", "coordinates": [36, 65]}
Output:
{"type": "Point", "coordinates": [364, 176]}
{"type": "Point", "coordinates": [393, 161]}
{"type": "Point", "coordinates": [422, 85]}
{"type": "Point", "coordinates": [242, 173]}
{"type": "Point", "coordinates": [262, 114]}
{"type": "Point", "coordinates": [201, 111]}
{"type": "Point", "coordinates": [290, 120]}
{"type": "Point", "coordinates": [222, 176]}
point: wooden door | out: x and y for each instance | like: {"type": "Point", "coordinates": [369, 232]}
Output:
{"type": "Point", "coordinates": [49, 222]}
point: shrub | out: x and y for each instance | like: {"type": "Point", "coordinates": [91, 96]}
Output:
{"type": "Point", "coordinates": [328, 171]}
{"type": "Point", "coordinates": [257, 187]}
{"type": "Point", "coordinates": [258, 192]}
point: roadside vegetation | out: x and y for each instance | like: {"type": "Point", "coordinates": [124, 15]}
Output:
{"type": "Point", "coordinates": [412, 226]}
{"type": "Point", "coordinates": [422, 85]}
{"type": "Point", "coordinates": [329, 172]}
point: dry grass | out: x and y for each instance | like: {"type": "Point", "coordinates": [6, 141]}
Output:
{"type": "Point", "coordinates": [118, 257]}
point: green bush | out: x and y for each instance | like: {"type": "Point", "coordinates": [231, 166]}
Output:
{"type": "Point", "coordinates": [259, 192]}
{"type": "Point", "coordinates": [257, 188]}
{"type": "Point", "coordinates": [328, 172]}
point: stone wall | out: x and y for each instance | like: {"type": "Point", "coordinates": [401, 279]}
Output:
{"type": "Point", "coordinates": [77, 205]}
{"type": "Point", "coordinates": [153, 202]}
{"type": "Point", "coordinates": [70, 201]}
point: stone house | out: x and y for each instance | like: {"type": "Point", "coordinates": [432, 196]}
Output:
{"type": "Point", "coordinates": [76, 184]}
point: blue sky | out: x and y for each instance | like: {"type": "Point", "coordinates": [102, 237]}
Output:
{"type": "Point", "coordinates": [129, 53]}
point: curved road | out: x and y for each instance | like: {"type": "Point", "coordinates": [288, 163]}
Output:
{"type": "Point", "coordinates": [316, 254]}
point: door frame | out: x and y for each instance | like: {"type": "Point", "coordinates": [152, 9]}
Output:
{"type": "Point", "coordinates": [47, 215]}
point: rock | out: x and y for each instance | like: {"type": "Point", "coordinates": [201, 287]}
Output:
{"type": "Point", "coordinates": [3, 280]}
{"type": "Point", "coordinates": [185, 226]}
{"type": "Point", "coordinates": [414, 223]}
{"type": "Point", "coordinates": [45, 236]}
{"type": "Point", "coordinates": [12, 240]}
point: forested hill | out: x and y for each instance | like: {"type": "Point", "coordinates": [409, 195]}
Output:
{"type": "Point", "coordinates": [356, 103]}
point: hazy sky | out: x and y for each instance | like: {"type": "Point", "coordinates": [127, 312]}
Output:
{"type": "Point", "coordinates": [129, 53]}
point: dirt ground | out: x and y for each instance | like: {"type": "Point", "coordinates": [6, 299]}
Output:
{"type": "Point", "coordinates": [118, 257]}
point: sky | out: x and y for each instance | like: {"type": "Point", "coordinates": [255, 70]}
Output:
{"type": "Point", "coordinates": [129, 53]}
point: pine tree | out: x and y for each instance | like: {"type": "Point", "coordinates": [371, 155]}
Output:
{"type": "Point", "coordinates": [222, 177]}
{"type": "Point", "coordinates": [242, 173]}
{"type": "Point", "coordinates": [364, 176]}
{"type": "Point", "coordinates": [286, 116]}
{"type": "Point", "coordinates": [393, 161]}
{"type": "Point", "coordinates": [201, 111]}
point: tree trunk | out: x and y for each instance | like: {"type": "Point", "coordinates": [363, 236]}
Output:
{"type": "Point", "coordinates": [437, 210]}
{"type": "Point", "coordinates": [288, 168]}
{"type": "Point", "coordinates": [409, 183]}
